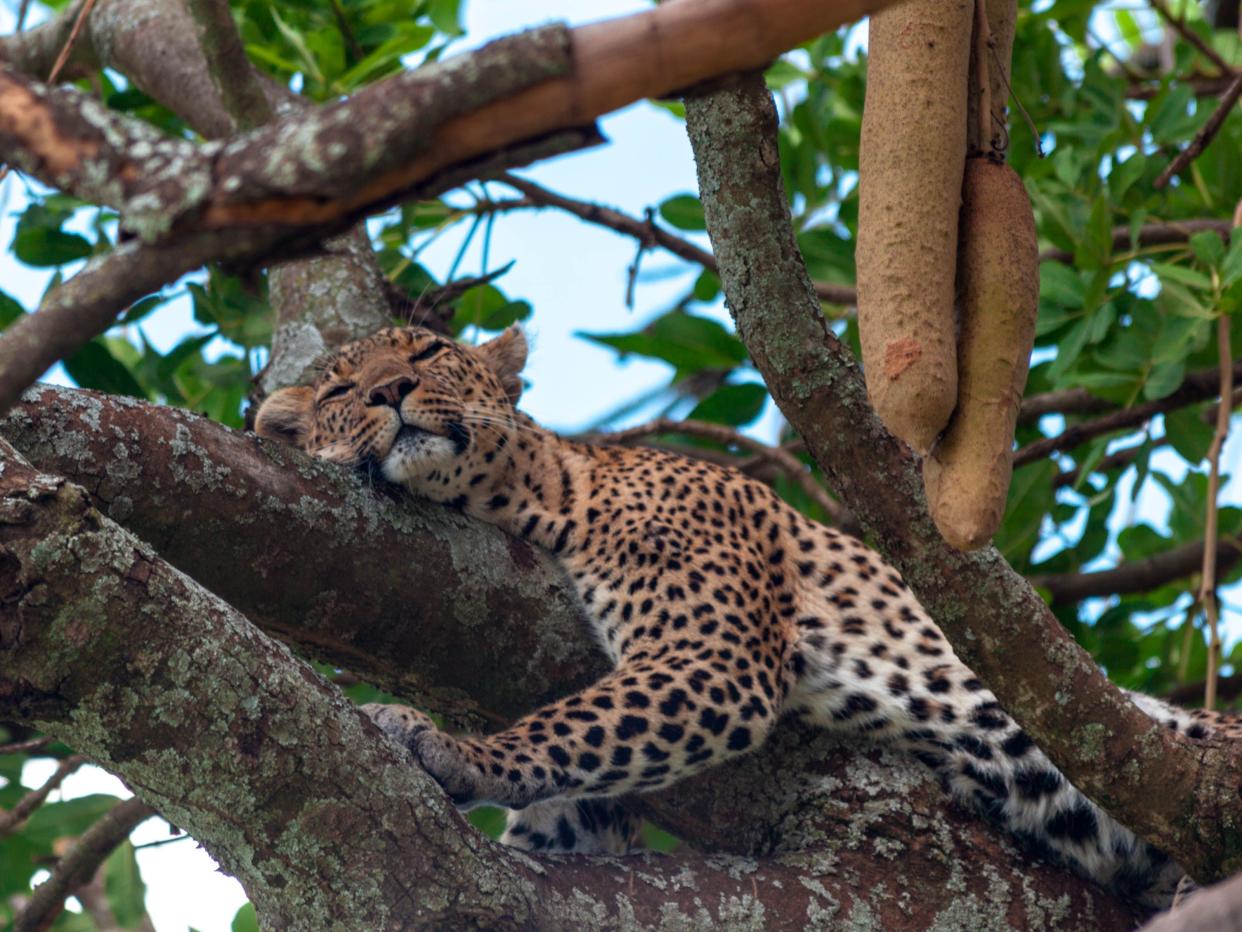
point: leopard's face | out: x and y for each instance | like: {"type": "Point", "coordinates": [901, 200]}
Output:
{"type": "Point", "coordinates": [412, 405]}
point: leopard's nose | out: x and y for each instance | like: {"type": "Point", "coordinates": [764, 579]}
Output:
{"type": "Point", "coordinates": [391, 392]}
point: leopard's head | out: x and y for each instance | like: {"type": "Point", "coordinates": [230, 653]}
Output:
{"type": "Point", "coordinates": [412, 405]}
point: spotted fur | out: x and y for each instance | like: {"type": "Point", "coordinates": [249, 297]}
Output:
{"type": "Point", "coordinates": [721, 607]}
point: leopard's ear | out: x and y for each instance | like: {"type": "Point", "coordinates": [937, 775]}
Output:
{"type": "Point", "coordinates": [285, 415]}
{"type": "Point", "coordinates": [506, 355]}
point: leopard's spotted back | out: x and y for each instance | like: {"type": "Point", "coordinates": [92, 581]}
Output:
{"type": "Point", "coordinates": [721, 607]}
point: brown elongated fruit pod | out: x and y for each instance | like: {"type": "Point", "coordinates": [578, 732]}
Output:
{"type": "Point", "coordinates": [967, 475]}
{"type": "Point", "coordinates": [911, 155]}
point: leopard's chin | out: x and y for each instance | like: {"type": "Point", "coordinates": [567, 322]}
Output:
{"type": "Point", "coordinates": [414, 452]}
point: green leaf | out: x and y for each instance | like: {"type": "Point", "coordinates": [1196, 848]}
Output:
{"type": "Point", "coordinates": [409, 37]}
{"type": "Point", "coordinates": [1183, 275]}
{"type": "Point", "coordinates": [490, 820]}
{"type": "Point", "coordinates": [246, 919]}
{"type": "Point", "coordinates": [1189, 434]}
{"type": "Point", "coordinates": [445, 15]}
{"type": "Point", "coordinates": [1096, 247]}
{"type": "Point", "coordinates": [781, 73]}
{"type": "Point", "coordinates": [306, 60]}
{"type": "Point", "coordinates": [1061, 284]}
{"type": "Point", "coordinates": [734, 405]}
{"type": "Point", "coordinates": [1231, 268]}
{"type": "Point", "coordinates": [486, 307]}
{"type": "Point", "coordinates": [124, 887]}
{"type": "Point", "coordinates": [140, 309]}
{"type": "Point", "coordinates": [687, 342]}
{"type": "Point", "coordinates": [1126, 174]}
{"type": "Point", "coordinates": [67, 819]}
{"type": "Point", "coordinates": [683, 211]}
{"type": "Point", "coordinates": [1071, 346]}
{"type": "Point", "coordinates": [42, 248]}
{"type": "Point", "coordinates": [10, 310]}
{"type": "Point", "coordinates": [1167, 115]}
{"type": "Point", "coordinates": [1164, 380]}
{"type": "Point", "coordinates": [94, 366]}
{"type": "Point", "coordinates": [1208, 247]}
{"type": "Point", "coordinates": [1181, 301]}
{"type": "Point", "coordinates": [706, 286]}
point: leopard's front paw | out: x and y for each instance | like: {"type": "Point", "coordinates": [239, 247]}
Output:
{"type": "Point", "coordinates": [448, 762]}
{"type": "Point", "coordinates": [444, 757]}
{"type": "Point", "coordinates": [399, 722]}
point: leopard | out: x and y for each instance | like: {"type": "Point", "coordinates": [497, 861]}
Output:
{"type": "Point", "coordinates": [722, 609]}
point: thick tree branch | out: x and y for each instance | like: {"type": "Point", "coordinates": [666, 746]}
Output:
{"type": "Point", "coordinates": [1228, 688]}
{"type": "Point", "coordinates": [79, 865]}
{"type": "Point", "coordinates": [414, 597]}
{"type": "Point", "coordinates": [1182, 798]}
{"type": "Point", "coordinates": [34, 51]}
{"type": "Point", "coordinates": [1137, 575]}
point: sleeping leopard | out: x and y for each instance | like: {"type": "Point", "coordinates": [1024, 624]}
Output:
{"type": "Point", "coordinates": [721, 607]}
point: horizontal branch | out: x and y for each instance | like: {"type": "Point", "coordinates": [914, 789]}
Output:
{"type": "Point", "coordinates": [1198, 386]}
{"type": "Point", "coordinates": [1137, 575]}
{"type": "Point", "coordinates": [1228, 688]}
{"type": "Point", "coordinates": [306, 551]}
{"type": "Point", "coordinates": [1151, 234]}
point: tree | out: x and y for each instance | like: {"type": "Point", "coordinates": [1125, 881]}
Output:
{"type": "Point", "coordinates": [157, 615]}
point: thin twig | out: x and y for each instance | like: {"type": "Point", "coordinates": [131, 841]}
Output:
{"type": "Point", "coordinates": [79, 865]}
{"type": "Point", "coordinates": [1207, 586]}
{"type": "Point", "coordinates": [1204, 136]}
{"type": "Point", "coordinates": [643, 231]}
{"type": "Point", "coordinates": [1138, 575]}
{"type": "Point", "coordinates": [1196, 387]}
{"type": "Point", "coordinates": [13, 818]}
{"type": "Point", "coordinates": [69, 43]}
{"type": "Point", "coordinates": [1153, 234]}
{"type": "Point", "coordinates": [789, 464]}
{"type": "Point", "coordinates": [342, 24]}
{"type": "Point", "coordinates": [25, 747]}
{"type": "Point", "coordinates": [161, 842]}
{"type": "Point", "coordinates": [1200, 85]}
{"type": "Point", "coordinates": [1180, 27]}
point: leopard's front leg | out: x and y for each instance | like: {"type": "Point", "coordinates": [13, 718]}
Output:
{"type": "Point", "coordinates": [642, 727]}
